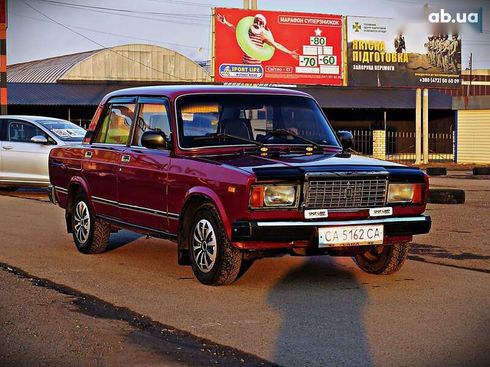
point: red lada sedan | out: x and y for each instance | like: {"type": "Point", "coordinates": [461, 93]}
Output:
{"type": "Point", "coordinates": [232, 174]}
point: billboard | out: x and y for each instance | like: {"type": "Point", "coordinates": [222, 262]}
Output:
{"type": "Point", "coordinates": [382, 53]}
{"type": "Point", "coordinates": [274, 47]}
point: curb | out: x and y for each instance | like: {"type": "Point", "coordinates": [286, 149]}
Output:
{"type": "Point", "coordinates": [481, 171]}
{"type": "Point", "coordinates": [436, 171]}
{"type": "Point", "coordinates": [446, 196]}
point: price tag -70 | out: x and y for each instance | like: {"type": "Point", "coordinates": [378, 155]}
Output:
{"type": "Point", "coordinates": [308, 61]}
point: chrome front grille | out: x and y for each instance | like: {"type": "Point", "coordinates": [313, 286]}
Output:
{"type": "Point", "coordinates": [345, 193]}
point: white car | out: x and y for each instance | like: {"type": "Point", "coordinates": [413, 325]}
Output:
{"type": "Point", "coordinates": [25, 143]}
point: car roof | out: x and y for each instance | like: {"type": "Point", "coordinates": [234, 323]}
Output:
{"type": "Point", "coordinates": [173, 91]}
{"type": "Point", "coordinates": [31, 118]}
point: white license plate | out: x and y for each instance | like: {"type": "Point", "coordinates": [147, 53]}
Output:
{"type": "Point", "coordinates": [350, 236]}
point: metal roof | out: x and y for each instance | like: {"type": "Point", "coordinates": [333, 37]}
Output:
{"type": "Point", "coordinates": [46, 70]}
{"type": "Point", "coordinates": [139, 63]}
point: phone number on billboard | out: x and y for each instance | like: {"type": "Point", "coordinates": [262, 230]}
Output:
{"type": "Point", "coordinates": [439, 80]}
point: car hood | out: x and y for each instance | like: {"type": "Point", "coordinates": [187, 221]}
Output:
{"type": "Point", "coordinates": [299, 164]}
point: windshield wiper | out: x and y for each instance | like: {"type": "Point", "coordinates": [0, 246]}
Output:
{"type": "Point", "coordinates": [286, 132]}
{"type": "Point", "coordinates": [228, 136]}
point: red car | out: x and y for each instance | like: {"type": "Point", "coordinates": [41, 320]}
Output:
{"type": "Point", "coordinates": [233, 174]}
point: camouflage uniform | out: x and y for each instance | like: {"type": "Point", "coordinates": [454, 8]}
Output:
{"type": "Point", "coordinates": [453, 53]}
{"type": "Point", "coordinates": [440, 49]}
{"type": "Point", "coordinates": [446, 46]}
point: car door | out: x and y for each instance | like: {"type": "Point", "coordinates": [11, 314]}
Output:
{"type": "Point", "coordinates": [24, 161]}
{"type": "Point", "coordinates": [102, 156]}
{"type": "Point", "coordinates": [142, 184]}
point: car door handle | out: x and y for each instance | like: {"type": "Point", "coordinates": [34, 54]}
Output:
{"type": "Point", "coordinates": [88, 154]}
{"type": "Point", "coordinates": [8, 147]}
{"type": "Point", "coordinates": [125, 158]}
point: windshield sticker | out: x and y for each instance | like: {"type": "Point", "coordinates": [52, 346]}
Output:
{"type": "Point", "coordinates": [69, 133]}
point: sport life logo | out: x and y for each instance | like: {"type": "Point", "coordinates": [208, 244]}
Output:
{"type": "Point", "coordinates": [473, 18]}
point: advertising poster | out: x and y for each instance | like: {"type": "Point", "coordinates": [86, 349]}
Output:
{"type": "Point", "coordinates": [257, 46]}
{"type": "Point", "coordinates": [383, 53]}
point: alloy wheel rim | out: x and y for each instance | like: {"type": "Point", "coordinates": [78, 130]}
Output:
{"type": "Point", "coordinates": [374, 254]}
{"type": "Point", "coordinates": [204, 245]}
{"type": "Point", "coordinates": [81, 221]}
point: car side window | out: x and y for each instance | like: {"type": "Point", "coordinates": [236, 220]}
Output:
{"type": "Point", "coordinates": [153, 116]}
{"type": "Point", "coordinates": [22, 132]}
{"type": "Point", "coordinates": [116, 124]}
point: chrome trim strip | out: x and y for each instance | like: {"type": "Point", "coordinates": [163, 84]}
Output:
{"type": "Point", "coordinates": [60, 189]}
{"type": "Point", "coordinates": [104, 201]}
{"type": "Point", "coordinates": [343, 222]}
{"type": "Point", "coordinates": [345, 174]}
{"type": "Point", "coordinates": [136, 208]}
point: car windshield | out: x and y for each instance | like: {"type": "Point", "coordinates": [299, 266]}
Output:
{"type": "Point", "coordinates": [64, 130]}
{"type": "Point", "coordinates": [232, 119]}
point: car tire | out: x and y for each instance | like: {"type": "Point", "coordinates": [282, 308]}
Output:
{"type": "Point", "coordinates": [383, 260]}
{"type": "Point", "coordinates": [91, 235]}
{"type": "Point", "coordinates": [481, 171]}
{"type": "Point", "coordinates": [446, 196]}
{"type": "Point", "coordinates": [436, 171]}
{"type": "Point", "coordinates": [213, 258]}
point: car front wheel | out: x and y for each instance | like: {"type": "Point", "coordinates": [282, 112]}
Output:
{"type": "Point", "coordinates": [382, 259]}
{"type": "Point", "coordinates": [91, 235]}
{"type": "Point", "coordinates": [214, 260]}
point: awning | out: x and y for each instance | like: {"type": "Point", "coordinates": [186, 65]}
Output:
{"type": "Point", "coordinates": [375, 98]}
{"type": "Point", "coordinates": [68, 94]}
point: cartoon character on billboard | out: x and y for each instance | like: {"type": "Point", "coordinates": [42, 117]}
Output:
{"type": "Point", "coordinates": [255, 39]}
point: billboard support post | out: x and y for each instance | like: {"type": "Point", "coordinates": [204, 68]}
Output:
{"type": "Point", "coordinates": [213, 40]}
{"type": "Point", "coordinates": [418, 126]}
{"type": "Point", "coordinates": [425, 124]}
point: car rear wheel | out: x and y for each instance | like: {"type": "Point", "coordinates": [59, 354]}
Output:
{"type": "Point", "coordinates": [213, 258]}
{"type": "Point", "coordinates": [91, 235]}
{"type": "Point", "coordinates": [382, 259]}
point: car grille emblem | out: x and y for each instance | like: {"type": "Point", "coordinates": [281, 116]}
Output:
{"type": "Point", "coordinates": [348, 193]}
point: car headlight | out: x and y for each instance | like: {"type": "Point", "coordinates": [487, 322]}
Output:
{"type": "Point", "coordinates": [405, 193]}
{"type": "Point", "coordinates": [270, 196]}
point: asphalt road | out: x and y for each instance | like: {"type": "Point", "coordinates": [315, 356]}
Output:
{"type": "Point", "coordinates": [290, 311]}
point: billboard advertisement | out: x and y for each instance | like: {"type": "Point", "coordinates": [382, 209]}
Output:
{"type": "Point", "coordinates": [384, 54]}
{"type": "Point", "coordinates": [274, 47]}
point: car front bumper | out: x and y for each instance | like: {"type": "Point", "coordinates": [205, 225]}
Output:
{"type": "Point", "coordinates": [289, 231]}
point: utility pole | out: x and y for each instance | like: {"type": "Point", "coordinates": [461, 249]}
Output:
{"type": "Point", "coordinates": [468, 92]}
{"type": "Point", "coordinates": [3, 57]}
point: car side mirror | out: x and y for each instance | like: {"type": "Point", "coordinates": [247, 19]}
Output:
{"type": "Point", "coordinates": [346, 139]}
{"type": "Point", "coordinates": [39, 139]}
{"type": "Point", "coordinates": [154, 140]}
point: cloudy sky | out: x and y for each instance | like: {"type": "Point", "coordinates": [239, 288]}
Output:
{"type": "Point", "coordinates": [44, 28]}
